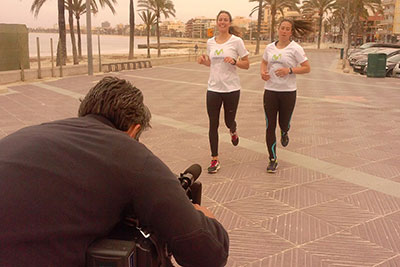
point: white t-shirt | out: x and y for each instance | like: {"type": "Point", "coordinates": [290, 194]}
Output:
{"type": "Point", "coordinates": [223, 77]}
{"type": "Point", "coordinates": [289, 57]}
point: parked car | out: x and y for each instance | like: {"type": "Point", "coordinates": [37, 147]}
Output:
{"type": "Point", "coordinates": [391, 63]}
{"type": "Point", "coordinates": [362, 54]}
{"type": "Point", "coordinates": [361, 64]}
{"type": "Point", "coordinates": [370, 45]}
{"type": "Point", "coordinates": [396, 70]}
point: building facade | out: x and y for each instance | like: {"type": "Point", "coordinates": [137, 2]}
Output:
{"type": "Point", "coordinates": [389, 28]}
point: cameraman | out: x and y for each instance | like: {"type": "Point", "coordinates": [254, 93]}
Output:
{"type": "Point", "coordinates": [65, 183]}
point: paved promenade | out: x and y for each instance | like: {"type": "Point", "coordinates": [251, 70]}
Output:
{"type": "Point", "coordinates": [335, 200]}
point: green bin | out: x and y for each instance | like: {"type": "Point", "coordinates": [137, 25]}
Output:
{"type": "Point", "coordinates": [376, 65]}
{"type": "Point", "coordinates": [14, 48]}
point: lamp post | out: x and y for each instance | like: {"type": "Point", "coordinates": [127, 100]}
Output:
{"type": "Point", "coordinates": [89, 37]}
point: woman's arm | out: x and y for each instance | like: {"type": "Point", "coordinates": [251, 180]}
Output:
{"type": "Point", "coordinates": [304, 68]}
{"type": "Point", "coordinates": [243, 63]}
{"type": "Point", "coordinates": [264, 70]}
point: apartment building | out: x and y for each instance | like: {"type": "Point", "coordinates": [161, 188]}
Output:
{"type": "Point", "coordinates": [389, 28]}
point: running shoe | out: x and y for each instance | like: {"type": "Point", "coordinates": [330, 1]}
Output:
{"type": "Point", "coordinates": [214, 166]}
{"type": "Point", "coordinates": [234, 138]}
{"type": "Point", "coordinates": [284, 139]}
{"type": "Point", "coordinates": [272, 166]}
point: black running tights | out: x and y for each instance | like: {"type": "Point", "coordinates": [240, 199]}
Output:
{"type": "Point", "coordinates": [274, 103]}
{"type": "Point", "coordinates": [214, 103]}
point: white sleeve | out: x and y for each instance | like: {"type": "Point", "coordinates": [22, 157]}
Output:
{"type": "Point", "coordinates": [208, 47]}
{"type": "Point", "coordinates": [300, 55]}
{"type": "Point", "coordinates": [265, 55]}
{"type": "Point", "coordinates": [241, 49]}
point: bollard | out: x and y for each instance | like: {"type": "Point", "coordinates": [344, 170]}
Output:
{"type": "Point", "coordinates": [98, 44]}
{"type": "Point", "coordinates": [341, 53]}
{"type": "Point", "coordinates": [38, 55]}
{"type": "Point", "coordinates": [52, 57]}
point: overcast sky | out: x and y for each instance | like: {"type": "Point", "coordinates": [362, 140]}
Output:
{"type": "Point", "coordinates": [18, 11]}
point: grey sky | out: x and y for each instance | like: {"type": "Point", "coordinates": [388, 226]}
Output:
{"type": "Point", "coordinates": [18, 11]}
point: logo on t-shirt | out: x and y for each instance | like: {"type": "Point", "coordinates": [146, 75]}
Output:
{"type": "Point", "coordinates": [277, 57]}
{"type": "Point", "coordinates": [219, 52]}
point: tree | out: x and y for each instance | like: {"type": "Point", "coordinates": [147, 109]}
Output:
{"type": "Point", "coordinates": [131, 29]}
{"type": "Point", "coordinates": [72, 31]}
{"type": "Point", "coordinates": [149, 19]}
{"type": "Point", "coordinates": [62, 43]}
{"type": "Point", "coordinates": [320, 7]}
{"type": "Point", "coordinates": [79, 8]}
{"type": "Point", "coordinates": [275, 6]}
{"type": "Point", "coordinates": [259, 18]}
{"type": "Point", "coordinates": [349, 13]}
{"type": "Point", "coordinates": [159, 7]}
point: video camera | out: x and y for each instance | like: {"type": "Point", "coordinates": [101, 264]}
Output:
{"type": "Point", "coordinates": [130, 245]}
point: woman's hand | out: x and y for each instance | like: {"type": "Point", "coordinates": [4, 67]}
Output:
{"type": "Point", "coordinates": [282, 72]}
{"type": "Point", "coordinates": [265, 75]}
{"type": "Point", "coordinates": [230, 60]}
{"type": "Point", "coordinates": [204, 59]}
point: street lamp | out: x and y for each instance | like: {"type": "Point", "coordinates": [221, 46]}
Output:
{"type": "Point", "coordinates": [89, 37]}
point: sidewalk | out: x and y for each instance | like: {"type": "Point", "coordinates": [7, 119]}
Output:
{"type": "Point", "coordinates": [335, 200]}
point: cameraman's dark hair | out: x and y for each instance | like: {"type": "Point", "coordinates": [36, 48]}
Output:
{"type": "Point", "coordinates": [299, 27]}
{"type": "Point", "coordinates": [232, 29]}
{"type": "Point", "coordinates": [118, 101]}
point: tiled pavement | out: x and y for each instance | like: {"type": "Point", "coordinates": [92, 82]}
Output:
{"type": "Point", "coordinates": [335, 200]}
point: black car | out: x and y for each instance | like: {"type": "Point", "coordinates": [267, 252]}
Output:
{"type": "Point", "coordinates": [361, 64]}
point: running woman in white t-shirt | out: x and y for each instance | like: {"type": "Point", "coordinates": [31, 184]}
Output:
{"type": "Point", "coordinates": [225, 52]}
{"type": "Point", "coordinates": [281, 61]}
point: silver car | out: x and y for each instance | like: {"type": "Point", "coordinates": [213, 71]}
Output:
{"type": "Point", "coordinates": [396, 70]}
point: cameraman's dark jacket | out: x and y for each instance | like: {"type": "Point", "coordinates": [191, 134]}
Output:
{"type": "Point", "coordinates": [65, 183]}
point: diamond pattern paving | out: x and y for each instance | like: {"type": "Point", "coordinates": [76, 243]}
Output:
{"type": "Point", "coordinates": [345, 249]}
{"type": "Point", "coordinates": [299, 227]}
{"type": "Point", "coordinates": [340, 214]}
{"type": "Point", "coordinates": [382, 231]}
{"type": "Point", "coordinates": [299, 216]}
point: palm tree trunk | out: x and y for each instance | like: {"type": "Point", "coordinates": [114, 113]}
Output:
{"type": "Point", "coordinates": [62, 50]}
{"type": "Point", "coordinates": [79, 37]}
{"type": "Point", "coordinates": [72, 33]}
{"type": "Point", "coordinates": [148, 41]}
{"type": "Point", "coordinates": [158, 36]}
{"type": "Point", "coordinates": [320, 30]}
{"type": "Point", "coordinates": [273, 14]}
{"type": "Point", "coordinates": [259, 26]}
{"type": "Point", "coordinates": [131, 29]}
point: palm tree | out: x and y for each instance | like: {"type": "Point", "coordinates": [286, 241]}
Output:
{"type": "Point", "coordinates": [149, 19]}
{"type": "Point", "coordinates": [349, 13]}
{"type": "Point", "coordinates": [275, 6]}
{"type": "Point", "coordinates": [321, 7]}
{"type": "Point", "coordinates": [159, 7]}
{"type": "Point", "coordinates": [62, 44]}
{"type": "Point", "coordinates": [131, 29]}
{"type": "Point", "coordinates": [259, 18]}
{"type": "Point", "coordinates": [79, 8]}
{"type": "Point", "coordinates": [68, 4]}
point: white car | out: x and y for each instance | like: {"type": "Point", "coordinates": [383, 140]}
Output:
{"type": "Point", "coordinates": [396, 70]}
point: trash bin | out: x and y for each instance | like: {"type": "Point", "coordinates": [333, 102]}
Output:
{"type": "Point", "coordinates": [376, 65]}
{"type": "Point", "coordinates": [14, 48]}
{"type": "Point", "coordinates": [341, 53]}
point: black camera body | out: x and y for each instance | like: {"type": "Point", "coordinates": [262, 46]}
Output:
{"type": "Point", "coordinates": [130, 246]}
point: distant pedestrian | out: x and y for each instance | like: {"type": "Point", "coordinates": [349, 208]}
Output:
{"type": "Point", "coordinates": [225, 52]}
{"type": "Point", "coordinates": [196, 47]}
{"type": "Point", "coordinates": [281, 61]}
